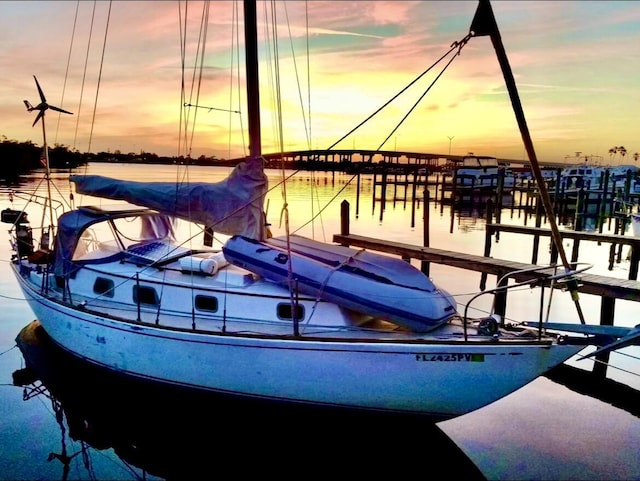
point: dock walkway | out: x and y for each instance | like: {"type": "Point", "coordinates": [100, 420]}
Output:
{"type": "Point", "coordinates": [615, 240]}
{"type": "Point", "coordinates": [608, 288]}
{"type": "Point", "coordinates": [604, 286]}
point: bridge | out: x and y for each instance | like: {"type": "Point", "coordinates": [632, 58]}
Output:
{"type": "Point", "coordinates": [352, 159]}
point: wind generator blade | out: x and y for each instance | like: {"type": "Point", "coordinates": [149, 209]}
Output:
{"type": "Point", "coordinates": [57, 109]}
{"type": "Point", "coordinates": [38, 117]}
{"type": "Point", "coordinates": [42, 98]}
{"type": "Point", "coordinates": [484, 23]}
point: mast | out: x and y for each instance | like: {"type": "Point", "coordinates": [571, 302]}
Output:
{"type": "Point", "coordinates": [253, 93]}
{"type": "Point", "coordinates": [484, 23]}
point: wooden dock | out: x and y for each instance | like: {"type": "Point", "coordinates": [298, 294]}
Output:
{"type": "Point", "coordinates": [603, 286]}
{"type": "Point", "coordinates": [607, 288]}
{"type": "Point", "coordinates": [595, 206]}
{"type": "Point", "coordinates": [615, 240]}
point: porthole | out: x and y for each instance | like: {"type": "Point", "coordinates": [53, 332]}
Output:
{"type": "Point", "coordinates": [206, 303]}
{"type": "Point", "coordinates": [145, 295]}
{"type": "Point", "coordinates": [103, 287]}
{"type": "Point", "coordinates": [285, 311]}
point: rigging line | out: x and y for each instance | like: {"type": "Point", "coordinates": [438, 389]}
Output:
{"type": "Point", "coordinates": [104, 46]}
{"type": "Point", "coordinates": [285, 208]}
{"type": "Point", "coordinates": [235, 42]}
{"type": "Point", "coordinates": [615, 367]}
{"type": "Point", "coordinates": [455, 45]}
{"type": "Point", "coordinates": [628, 355]}
{"type": "Point", "coordinates": [327, 204]}
{"type": "Point", "coordinates": [210, 108]}
{"type": "Point", "coordinates": [277, 110]}
{"type": "Point", "coordinates": [182, 28]}
{"type": "Point", "coordinates": [297, 76]}
{"type": "Point", "coordinates": [200, 51]}
{"type": "Point", "coordinates": [183, 139]}
{"type": "Point", "coordinates": [84, 73]}
{"type": "Point", "coordinates": [307, 128]}
{"type": "Point", "coordinates": [10, 349]}
{"type": "Point", "coordinates": [310, 136]}
{"type": "Point", "coordinates": [187, 149]}
{"type": "Point", "coordinates": [484, 23]}
{"type": "Point", "coordinates": [199, 67]}
{"type": "Point", "coordinates": [66, 74]}
{"type": "Point", "coordinates": [323, 285]}
{"type": "Point", "coordinates": [306, 18]}
{"type": "Point", "coordinates": [270, 42]}
{"type": "Point", "coordinates": [348, 182]}
{"type": "Point", "coordinates": [184, 142]}
{"type": "Point", "coordinates": [61, 195]}
{"type": "Point", "coordinates": [418, 101]}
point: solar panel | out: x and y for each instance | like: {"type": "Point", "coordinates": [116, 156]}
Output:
{"type": "Point", "coordinates": [149, 253]}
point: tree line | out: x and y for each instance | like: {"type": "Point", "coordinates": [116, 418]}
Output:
{"type": "Point", "coordinates": [18, 158]}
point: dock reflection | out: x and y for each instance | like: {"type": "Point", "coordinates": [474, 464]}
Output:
{"type": "Point", "coordinates": [173, 433]}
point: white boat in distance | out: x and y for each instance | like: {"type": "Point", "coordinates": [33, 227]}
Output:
{"type": "Point", "coordinates": [481, 171]}
{"type": "Point", "coordinates": [593, 177]}
{"type": "Point", "coordinates": [115, 289]}
{"type": "Point", "coordinates": [577, 177]}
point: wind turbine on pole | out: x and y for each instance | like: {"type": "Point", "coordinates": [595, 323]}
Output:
{"type": "Point", "coordinates": [41, 108]}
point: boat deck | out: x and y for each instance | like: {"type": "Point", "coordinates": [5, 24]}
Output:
{"type": "Point", "coordinates": [374, 330]}
{"type": "Point", "coordinates": [347, 325]}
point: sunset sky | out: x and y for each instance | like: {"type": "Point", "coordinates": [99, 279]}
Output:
{"type": "Point", "coordinates": [576, 65]}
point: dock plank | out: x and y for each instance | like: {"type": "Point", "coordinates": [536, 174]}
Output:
{"type": "Point", "coordinates": [565, 234]}
{"type": "Point", "coordinates": [598, 285]}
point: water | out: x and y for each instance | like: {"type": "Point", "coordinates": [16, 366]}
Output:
{"type": "Point", "coordinates": [542, 431]}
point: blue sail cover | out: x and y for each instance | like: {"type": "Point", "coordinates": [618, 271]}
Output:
{"type": "Point", "coordinates": [231, 206]}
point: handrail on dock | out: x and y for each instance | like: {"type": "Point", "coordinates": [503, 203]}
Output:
{"type": "Point", "coordinates": [576, 236]}
{"type": "Point", "coordinates": [603, 286]}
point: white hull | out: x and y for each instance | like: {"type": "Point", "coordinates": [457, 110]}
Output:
{"type": "Point", "coordinates": [395, 376]}
{"type": "Point", "coordinates": [136, 302]}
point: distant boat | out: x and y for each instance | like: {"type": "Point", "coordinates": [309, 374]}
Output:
{"type": "Point", "coordinates": [577, 177]}
{"type": "Point", "coordinates": [593, 177]}
{"type": "Point", "coordinates": [285, 320]}
{"type": "Point", "coordinates": [483, 172]}
{"type": "Point", "coordinates": [621, 174]}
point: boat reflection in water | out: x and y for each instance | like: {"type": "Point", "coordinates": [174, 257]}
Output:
{"type": "Point", "coordinates": [177, 434]}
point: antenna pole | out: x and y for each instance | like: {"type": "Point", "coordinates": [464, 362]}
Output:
{"type": "Point", "coordinates": [48, 177]}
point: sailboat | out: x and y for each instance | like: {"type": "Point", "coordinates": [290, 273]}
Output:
{"type": "Point", "coordinates": [285, 320]}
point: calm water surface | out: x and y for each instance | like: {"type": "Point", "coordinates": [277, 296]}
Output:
{"type": "Point", "coordinates": [542, 431]}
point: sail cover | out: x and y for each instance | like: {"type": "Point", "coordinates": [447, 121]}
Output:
{"type": "Point", "coordinates": [231, 206]}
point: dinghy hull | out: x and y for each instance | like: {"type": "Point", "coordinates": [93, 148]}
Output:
{"type": "Point", "coordinates": [362, 286]}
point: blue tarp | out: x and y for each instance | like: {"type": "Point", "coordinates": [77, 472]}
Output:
{"type": "Point", "coordinates": [231, 206]}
